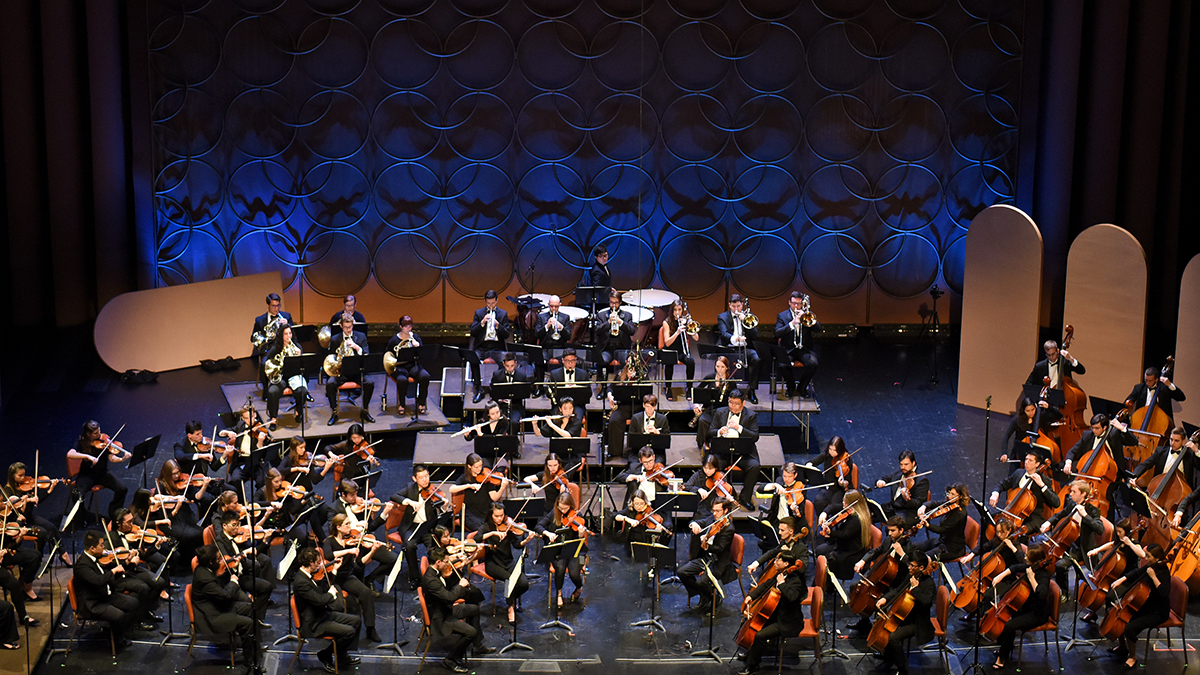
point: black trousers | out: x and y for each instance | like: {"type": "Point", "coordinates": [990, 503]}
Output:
{"type": "Point", "coordinates": [275, 392]}
{"type": "Point", "coordinates": [566, 562]}
{"type": "Point", "coordinates": [417, 537]}
{"type": "Point", "coordinates": [500, 574]}
{"type": "Point", "coordinates": [384, 559]}
{"type": "Point", "coordinates": [362, 594]}
{"type": "Point", "coordinates": [465, 628]}
{"type": "Point", "coordinates": [86, 481]}
{"type": "Point", "coordinates": [420, 377]}
{"type": "Point", "coordinates": [240, 623]}
{"type": "Point", "coordinates": [691, 575]}
{"type": "Point", "coordinates": [343, 628]}
{"type": "Point", "coordinates": [476, 356]}
{"type": "Point", "coordinates": [690, 368]}
{"type": "Point", "coordinates": [8, 624]}
{"type": "Point", "coordinates": [770, 632]}
{"type": "Point", "coordinates": [331, 391]}
{"type": "Point", "coordinates": [1020, 622]}
{"type": "Point", "coordinates": [807, 372]}
{"type": "Point", "coordinates": [120, 612]}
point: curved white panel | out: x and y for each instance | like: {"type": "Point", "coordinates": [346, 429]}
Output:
{"type": "Point", "coordinates": [1187, 346]}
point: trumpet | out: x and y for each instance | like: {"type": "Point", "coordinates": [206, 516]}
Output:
{"type": "Point", "coordinates": [614, 323]}
{"type": "Point", "coordinates": [490, 320]}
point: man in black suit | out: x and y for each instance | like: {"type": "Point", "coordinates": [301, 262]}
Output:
{"type": "Point", "coordinates": [94, 593]}
{"type": "Point", "coordinates": [193, 458]}
{"type": "Point", "coordinates": [1115, 441]}
{"type": "Point", "coordinates": [571, 373]}
{"type": "Point", "coordinates": [348, 309]}
{"type": "Point", "coordinates": [490, 329]}
{"type": "Point", "coordinates": [553, 332]}
{"type": "Point", "coordinates": [795, 337]}
{"type": "Point", "coordinates": [508, 373]}
{"type": "Point", "coordinates": [357, 346]}
{"type": "Point", "coordinates": [905, 501]}
{"type": "Point", "coordinates": [447, 618]}
{"type": "Point", "coordinates": [599, 275]}
{"type": "Point", "coordinates": [647, 421]}
{"type": "Point", "coordinates": [715, 553]}
{"type": "Point", "coordinates": [788, 617]}
{"type": "Point", "coordinates": [1038, 484]}
{"type": "Point", "coordinates": [225, 607]}
{"type": "Point", "coordinates": [609, 321]}
{"type": "Point", "coordinates": [256, 574]}
{"type": "Point", "coordinates": [732, 333]}
{"type": "Point", "coordinates": [737, 421]}
{"type": "Point", "coordinates": [1154, 382]}
{"type": "Point", "coordinates": [273, 318]}
{"type": "Point", "coordinates": [1163, 457]}
{"type": "Point", "coordinates": [318, 603]}
{"type": "Point", "coordinates": [420, 517]}
{"type": "Point", "coordinates": [1057, 365]}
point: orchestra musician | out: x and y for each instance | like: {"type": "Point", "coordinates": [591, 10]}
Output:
{"type": "Point", "coordinates": [951, 542]}
{"type": "Point", "coordinates": [1039, 486]}
{"type": "Point", "coordinates": [788, 618]}
{"type": "Point", "coordinates": [637, 476]}
{"type": "Point", "coordinates": [18, 569]}
{"type": "Point", "coordinates": [1057, 365]}
{"type": "Point", "coordinates": [1091, 526]}
{"type": "Point", "coordinates": [639, 523]}
{"type": "Point", "coordinates": [366, 515]}
{"type": "Point", "coordinates": [599, 275]}
{"type": "Point", "coordinates": [563, 528]}
{"type": "Point", "coordinates": [846, 541]}
{"type": "Point", "coordinates": [304, 471]}
{"type": "Point", "coordinates": [150, 558]}
{"type": "Point", "coordinates": [735, 420]}
{"type": "Point", "coordinates": [1157, 607]}
{"type": "Point", "coordinates": [256, 574]}
{"type": "Point", "coordinates": [1164, 456]}
{"type": "Point", "coordinates": [268, 323]}
{"type": "Point", "coordinates": [733, 333]}
{"type": "Point", "coordinates": [95, 452]}
{"type": "Point", "coordinates": [96, 595]}
{"type": "Point", "coordinates": [553, 332]}
{"type": "Point", "coordinates": [425, 511]}
{"type": "Point", "coordinates": [9, 637]}
{"type": "Point", "coordinates": [247, 435]}
{"type": "Point", "coordinates": [566, 425]}
{"type": "Point", "coordinates": [1115, 442]}
{"type": "Point", "coordinates": [787, 499]}
{"type": "Point", "coordinates": [673, 335]}
{"type": "Point", "coordinates": [1010, 553]}
{"type": "Point", "coordinates": [356, 553]}
{"type": "Point", "coordinates": [1192, 497]}
{"type": "Point", "coordinates": [916, 623]}
{"type": "Point", "coordinates": [137, 580]}
{"type": "Point", "coordinates": [1035, 610]}
{"type": "Point", "coordinates": [197, 456]}
{"type": "Point", "coordinates": [19, 491]}
{"type": "Point", "coordinates": [897, 543]}
{"type": "Point", "coordinates": [495, 424]}
{"type": "Point", "coordinates": [285, 346]}
{"type": "Point", "coordinates": [647, 421]}
{"type": "Point", "coordinates": [618, 412]}
{"type": "Point", "coordinates": [1144, 391]}
{"type": "Point", "coordinates": [404, 339]}
{"type": "Point", "coordinates": [453, 610]}
{"type": "Point", "coordinates": [840, 470]}
{"type": "Point", "coordinates": [791, 539]}
{"type": "Point", "coordinates": [502, 535]}
{"type": "Point", "coordinates": [354, 455]}
{"type": "Point", "coordinates": [490, 329]}
{"type": "Point", "coordinates": [550, 480]}
{"type": "Point", "coordinates": [510, 374]}
{"type": "Point", "coordinates": [712, 538]}
{"type": "Point", "coordinates": [320, 603]}
{"type": "Point", "coordinates": [614, 332]}
{"type": "Point", "coordinates": [699, 483]}
{"type": "Point", "coordinates": [481, 490]}
{"type": "Point", "coordinates": [217, 597]}
{"type": "Point", "coordinates": [909, 493]}
{"type": "Point", "coordinates": [356, 343]}
{"type": "Point", "coordinates": [176, 503]}
{"type": "Point", "coordinates": [719, 383]}
{"type": "Point", "coordinates": [793, 330]}
{"type": "Point", "coordinates": [349, 309]}
{"type": "Point", "coordinates": [570, 373]}
{"type": "Point", "coordinates": [1022, 425]}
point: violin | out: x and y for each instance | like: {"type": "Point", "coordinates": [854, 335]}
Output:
{"type": "Point", "coordinates": [194, 480]}
{"type": "Point", "coordinates": [206, 444]}
{"type": "Point", "coordinates": [122, 554]}
{"type": "Point", "coordinates": [512, 525]}
{"type": "Point", "coordinates": [659, 474]}
{"type": "Point", "coordinates": [242, 534]}
{"type": "Point", "coordinates": [495, 476]}
{"type": "Point", "coordinates": [370, 540]}
{"type": "Point", "coordinates": [837, 519]}
{"type": "Point", "coordinates": [362, 505]}
{"type": "Point", "coordinates": [940, 511]}
{"type": "Point", "coordinates": [433, 494]}
{"type": "Point", "coordinates": [41, 483]}
{"type": "Point", "coordinates": [113, 446]}
{"type": "Point", "coordinates": [717, 483]}
{"type": "Point", "coordinates": [648, 519]}
{"type": "Point", "coordinates": [573, 520]}
{"type": "Point", "coordinates": [14, 530]}
{"type": "Point", "coordinates": [137, 534]}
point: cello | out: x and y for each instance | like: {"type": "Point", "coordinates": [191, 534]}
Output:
{"type": "Point", "coordinates": [1118, 616]}
{"type": "Point", "coordinates": [1183, 558]}
{"type": "Point", "coordinates": [759, 611]}
{"type": "Point", "coordinates": [1151, 422]}
{"type": "Point", "coordinates": [891, 618]}
{"type": "Point", "coordinates": [1092, 595]}
{"type": "Point", "coordinates": [1076, 401]}
{"type": "Point", "coordinates": [972, 585]}
{"type": "Point", "coordinates": [877, 579]}
{"type": "Point", "coordinates": [1007, 606]}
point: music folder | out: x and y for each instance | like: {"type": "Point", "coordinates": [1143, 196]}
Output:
{"type": "Point", "coordinates": [657, 441]}
{"type": "Point", "coordinates": [725, 447]}
{"type": "Point", "coordinates": [631, 392]}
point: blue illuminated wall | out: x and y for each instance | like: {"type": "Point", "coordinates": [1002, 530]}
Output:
{"type": "Point", "coordinates": [399, 144]}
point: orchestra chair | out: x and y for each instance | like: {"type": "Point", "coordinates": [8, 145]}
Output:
{"type": "Point", "coordinates": [972, 533]}
{"type": "Point", "coordinates": [876, 536]}
{"type": "Point", "coordinates": [478, 569]}
{"type": "Point", "coordinates": [303, 635]}
{"type": "Point", "coordinates": [426, 626]}
{"type": "Point", "coordinates": [1177, 619]}
{"type": "Point", "coordinates": [347, 387]}
{"type": "Point", "coordinates": [392, 524]}
{"type": "Point", "coordinates": [73, 467]}
{"type": "Point", "coordinates": [1051, 626]}
{"type": "Point", "coordinates": [737, 551]}
{"type": "Point", "coordinates": [813, 626]}
{"type": "Point", "coordinates": [818, 573]}
{"type": "Point", "coordinates": [941, 615]}
{"type": "Point", "coordinates": [195, 627]}
{"type": "Point", "coordinates": [81, 620]}
{"type": "Point", "coordinates": [209, 536]}
{"type": "Point", "coordinates": [1107, 535]}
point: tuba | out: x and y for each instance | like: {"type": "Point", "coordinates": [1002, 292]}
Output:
{"type": "Point", "coordinates": [333, 362]}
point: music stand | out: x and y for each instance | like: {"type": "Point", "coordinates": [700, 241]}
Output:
{"type": "Point", "coordinates": [511, 391]}
{"type": "Point", "coordinates": [142, 453]}
{"type": "Point", "coordinates": [396, 644]}
{"type": "Point", "coordinates": [547, 556]}
{"type": "Point", "coordinates": [304, 332]}
{"type": "Point", "coordinates": [571, 448]}
{"type": "Point", "coordinates": [1054, 397]}
{"type": "Point", "coordinates": [579, 393]}
{"type": "Point", "coordinates": [717, 588]}
{"type": "Point", "coordinates": [648, 552]}
{"type": "Point", "coordinates": [510, 586]}
{"type": "Point", "coordinates": [296, 366]}
{"type": "Point", "coordinates": [730, 449]}
{"type": "Point", "coordinates": [496, 446]}
{"type": "Point", "coordinates": [660, 442]}
{"type": "Point", "coordinates": [673, 503]}
{"type": "Point", "coordinates": [630, 392]}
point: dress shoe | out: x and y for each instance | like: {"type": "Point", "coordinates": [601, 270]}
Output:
{"type": "Point", "coordinates": [124, 643]}
{"type": "Point", "coordinates": [154, 618]}
{"type": "Point", "coordinates": [747, 505]}
{"type": "Point", "coordinates": [453, 666]}
{"type": "Point", "coordinates": [482, 650]}
{"type": "Point", "coordinates": [366, 417]}
{"type": "Point", "coordinates": [333, 419]}
{"type": "Point", "coordinates": [412, 585]}
{"type": "Point", "coordinates": [352, 659]}
{"type": "Point", "coordinates": [300, 416]}
{"type": "Point", "coordinates": [478, 395]}
{"type": "Point", "coordinates": [273, 426]}
{"type": "Point", "coordinates": [146, 626]}
{"type": "Point", "coordinates": [373, 635]}
{"type": "Point", "coordinates": [329, 667]}
{"type": "Point", "coordinates": [264, 625]}
{"type": "Point", "coordinates": [30, 621]}
{"type": "Point", "coordinates": [308, 398]}
{"type": "Point", "coordinates": [752, 397]}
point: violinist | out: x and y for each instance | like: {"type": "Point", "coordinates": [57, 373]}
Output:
{"type": "Point", "coordinates": [916, 623]}
{"type": "Point", "coordinates": [566, 425]}
{"type": "Point", "coordinates": [320, 603]}
{"type": "Point", "coordinates": [256, 574]}
{"type": "Point", "coordinates": [637, 477]}
{"type": "Point", "coordinates": [149, 559]}
{"type": "Point", "coordinates": [284, 345]}
{"type": "Point", "coordinates": [502, 534]}
{"type": "Point", "coordinates": [711, 542]}
{"type": "Point", "coordinates": [1038, 485]}
{"type": "Point", "coordinates": [647, 421]}
{"type": "Point", "coordinates": [1153, 381]}
{"type": "Point", "coordinates": [249, 434]}
{"type": "Point", "coordinates": [304, 471]}
{"type": "Point", "coordinates": [19, 490]}
{"type": "Point", "coordinates": [95, 594]}
{"type": "Point", "coordinates": [680, 345]}
{"type": "Point", "coordinates": [898, 544]}
{"type": "Point", "coordinates": [217, 597]}
{"type": "Point", "coordinates": [563, 528]}
{"type": "Point", "coordinates": [1058, 365]}
{"type": "Point", "coordinates": [639, 523]}
{"type": "Point", "coordinates": [1021, 426]}
{"type": "Point", "coordinates": [1035, 611]}
{"type": "Point", "coordinates": [366, 515]}
{"type": "Point", "coordinates": [735, 420]}
{"type": "Point", "coordinates": [286, 502]}
{"type": "Point", "coordinates": [908, 491]}
{"type": "Point", "coordinates": [176, 503]}
{"type": "Point", "coordinates": [731, 332]}
{"type": "Point", "coordinates": [709, 483]}
{"type": "Point", "coordinates": [791, 540]}
{"type": "Point", "coordinates": [1086, 515]}
{"type": "Point", "coordinates": [96, 451]}
{"type": "Point", "coordinates": [951, 542]}
{"type": "Point", "coordinates": [721, 385]}
{"type": "Point", "coordinates": [356, 554]}
{"type": "Point", "coordinates": [229, 508]}
{"type": "Point", "coordinates": [425, 509]}
{"type": "Point", "coordinates": [847, 535]}
{"type": "Point", "coordinates": [793, 330]}
{"type": "Point", "coordinates": [839, 470]}
{"type": "Point", "coordinates": [1115, 441]}
{"type": "Point", "coordinates": [490, 328]}
{"type": "Point", "coordinates": [788, 618]}
{"type": "Point", "coordinates": [356, 344]}
{"type": "Point", "coordinates": [406, 338]}
{"type": "Point", "coordinates": [551, 481]}
{"type": "Point", "coordinates": [453, 605]}
{"type": "Point", "coordinates": [787, 499]}
{"type": "Point", "coordinates": [480, 488]}
{"type": "Point", "coordinates": [354, 455]}
{"type": "Point", "coordinates": [196, 455]}
{"type": "Point", "coordinates": [18, 569]}
{"type": "Point", "coordinates": [1156, 608]}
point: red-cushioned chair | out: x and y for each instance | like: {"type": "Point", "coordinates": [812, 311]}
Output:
{"type": "Point", "coordinates": [1051, 626]}
{"type": "Point", "coordinates": [479, 570]}
{"type": "Point", "coordinates": [818, 576]}
{"type": "Point", "coordinates": [876, 536]}
{"type": "Point", "coordinates": [73, 467]}
{"type": "Point", "coordinates": [301, 639]}
{"type": "Point", "coordinates": [1177, 618]}
{"type": "Point", "coordinates": [81, 620]}
{"type": "Point", "coordinates": [209, 535]}
{"type": "Point", "coordinates": [813, 626]}
{"type": "Point", "coordinates": [1107, 535]}
{"type": "Point", "coordinates": [941, 616]}
{"type": "Point", "coordinates": [195, 629]}
{"type": "Point", "coordinates": [971, 531]}
{"type": "Point", "coordinates": [394, 518]}
{"type": "Point", "coordinates": [737, 552]}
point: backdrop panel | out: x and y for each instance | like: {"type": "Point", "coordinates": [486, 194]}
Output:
{"type": "Point", "coordinates": [1187, 346]}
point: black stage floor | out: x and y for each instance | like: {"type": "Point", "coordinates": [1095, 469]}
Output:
{"type": "Point", "coordinates": [874, 393]}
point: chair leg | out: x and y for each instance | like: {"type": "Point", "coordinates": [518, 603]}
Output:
{"type": "Point", "coordinates": [232, 648]}
{"type": "Point", "coordinates": [820, 660]}
{"type": "Point", "coordinates": [296, 655]}
{"type": "Point", "coordinates": [1058, 649]}
{"type": "Point", "coordinates": [71, 639]}
{"type": "Point", "coordinates": [335, 653]}
{"type": "Point", "coordinates": [112, 642]}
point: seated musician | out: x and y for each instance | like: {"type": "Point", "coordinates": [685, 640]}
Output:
{"type": "Point", "coordinates": [365, 514]}
{"type": "Point", "coordinates": [196, 455]}
{"type": "Point", "coordinates": [637, 477]}
{"type": "Point", "coordinates": [178, 499]}
{"type": "Point", "coordinates": [267, 324]}
{"type": "Point", "coordinates": [351, 575]}
{"type": "Point", "coordinates": [793, 330]}
{"type": "Point", "coordinates": [228, 507]}
{"type": "Point", "coordinates": [845, 541]}
{"type": "Point", "coordinates": [647, 421]}
{"type": "Point", "coordinates": [1038, 485]}
{"type": "Point", "coordinates": [350, 310]}
{"type": "Point", "coordinates": [1164, 456]}
{"type": "Point", "coordinates": [1130, 555]}
{"type": "Point", "coordinates": [898, 544]}
{"type": "Point", "coordinates": [916, 623]}
{"type": "Point", "coordinates": [280, 350]}
{"type": "Point", "coordinates": [144, 568]}
{"type": "Point", "coordinates": [614, 333]}
{"type": "Point", "coordinates": [638, 526]}
{"type": "Point", "coordinates": [619, 412]}
{"type": "Point", "coordinates": [406, 338]}
{"type": "Point", "coordinates": [1010, 553]}
{"type": "Point", "coordinates": [1115, 442]}
{"type": "Point", "coordinates": [1021, 426]}
{"type": "Point", "coordinates": [453, 605]}
{"type": "Point", "coordinates": [502, 535]}
{"type": "Point", "coordinates": [1086, 515]}
{"type": "Point", "coordinates": [19, 491]}
{"type": "Point", "coordinates": [256, 574]}
{"type": "Point", "coordinates": [495, 424]}
{"type": "Point", "coordinates": [909, 493]}
{"type": "Point", "coordinates": [354, 456]}
{"type": "Point", "coordinates": [733, 333]}
{"type": "Point", "coordinates": [489, 330]}
{"type": "Point", "coordinates": [570, 373]}
{"type": "Point", "coordinates": [698, 483]}
{"type": "Point", "coordinates": [480, 490]}
{"type": "Point", "coordinates": [839, 470]}
{"type": "Point", "coordinates": [951, 542]}
{"type": "Point", "coordinates": [136, 582]}
{"type": "Point", "coordinates": [566, 425]}
{"type": "Point", "coordinates": [355, 343]}
{"type": "Point", "coordinates": [673, 336]}
{"type": "Point", "coordinates": [721, 385]}
{"type": "Point", "coordinates": [1058, 365]}
{"type": "Point", "coordinates": [563, 528]}
{"type": "Point", "coordinates": [788, 618]}
{"type": "Point", "coordinates": [96, 596]}
{"type": "Point", "coordinates": [737, 421]}
{"type": "Point", "coordinates": [247, 435]}
{"type": "Point", "coordinates": [550, 481]}
{"type": "Point", "coordinates": [553, 332]}
{"type": "Point", "coordinates": [791, 539]}
{"type": "Point", "coordinates": [508, 373]}
{"type": "Point", "coordinates": [1154, 382]}
{"type": "Point", "coordinates": [96, 453]}
{"type": "Point", "coordinates": [304, 471]}
{"type": "Point", "coordinates": [224, 605]}
{"type": "Point", "coordinates": [321, 606]}
{"type": "Point", "coordinates": [424, 511]}
{"type": "Point", "coordinates": [787, 501]}
{"type": "Point", "coordinates": [1035, 610]}
{"type": "Point", "coordinates": [9, 637]}
{"type": "Point", "coordinates": [1157, 607]}
{"type": "Point", "coordinates": [710, 544]}
{"type": "Point", "coordinates": [18, 569]}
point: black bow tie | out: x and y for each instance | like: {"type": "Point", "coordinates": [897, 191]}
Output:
{"type": "Point", "coordinates": [571, 372]}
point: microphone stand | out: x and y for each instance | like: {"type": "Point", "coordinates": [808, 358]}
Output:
{"type": "Point", "coordinates": [987, 422]}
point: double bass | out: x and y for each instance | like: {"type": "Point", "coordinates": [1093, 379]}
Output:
{"type": "Point", "coordinates": [1076, 401]}
{"type": "Point", "coordinates": [1152, 424]}
{"type": "Point", "coordinates": [1099, 467]}
{"type": "Point", "coordinates": [1165, 492]}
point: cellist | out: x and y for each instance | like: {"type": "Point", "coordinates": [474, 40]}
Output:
{"type": "Point", "coordinates": [1030, 477]}
{"type": "Point", "coordinates": [1144, 392]}
{"type": "Point", "coordinates": [1009, 551]}
{"type": "Point", "coordinates": [1128, 552]}
{"type": "Point", "coordinates": [898, 544]}
{"type": "Point", "coordinates": [791, 538]}
{"type": "Point", "coordinates": [1079, 507]}
{"type": "Point", "coordinates": [916, 623]}
{"type": "Point", "coordinates": [1155, 610]}
{"type": "Point", "coordinates": [1022, 425]}
{"type": "Point", "coordinates": [1192, 497]}
{"type": "Point", "coordinates": [1114, 442]}
{"type": "Point", "coordinates": [1035, 610]}
{"type": "Point", "coordinates": [788, 617]}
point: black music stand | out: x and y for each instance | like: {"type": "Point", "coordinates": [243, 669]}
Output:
{"type": "Point", "coordinates": [730, 449]}
{"type": "Point", "coordinates": [514, 391]}
{"type": "Point", "coordinates": [672, 504]}
{"type": "Point", "coordinates": [142, 454]}
{"type": "Point", "coordinates": [648, 552]}
{"type": "Point", "coordinates": [403, 356]}
{"type": "Point", "coordinates": [396, 645]}
{"type": "Point", "coordinates": [630, 392]}
{"type": "Point", "coordinates": [571, 448]}
{"type": "Point", "coordinates": [660, 442]}
{"type": "Point", "coordinates": [717, 588]}
{"type": "Point", "coordinates": [546, 556]}
{"type": "Point", "coordinates": [510, 584]}
{"type": "Point", "coordinates": [579, 393]}
{"type": "Point", "coordinates": [304, 333]}
{"type": "Point", "coordinates": [294, 366]}
{"type": "Point", "coordinates": [591, 297]}
{"type": "Point", "coordinates": [496, 446]}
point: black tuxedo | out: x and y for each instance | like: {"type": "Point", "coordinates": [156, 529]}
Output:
{"type": "Point", "coordinates": [98, 599]}
{"type": "Point", "coordinates": [445, 617]}
{"type": "Point", "coordinates": [479, 345]}
{"type": "Point", "coordinates": [787, 620]}
{"type": "Point", "coordinates": [222, 607]}
{"type": "Point", "coordinates": [599, 275]}
{"type": "Point", "coordinates": [637, 425]}
{"type": "Point", "coordinates": [609, 343]}
{"type": "Point", "coordinates": [691, 573]}
{"type": "Point", "coordinates": [1044, 495]}
{"type": "Point", "coordinates": [749, 465]}
{"type": "Point", "coordinates": [336, 319]}
{"type": "Point", "coordinates": [501, 376]}
{"type": "Point", "coordinates": [332, 384]}
{"type": "Point", "coordinates": [1165, 396]}
{"type": "Point", "coordinates": [413, 534]}
{"type": "Point", "coordinates": [583, 377]}
{"type": "Point", "coordinates": [1041, 370]}
{"type": "Point", "coordinates": [799, 349]}
{"type": "Point", "coordinates": [1159, 459]}
{"type": "Point", "coordinates": [907, 508]}
{"type": "Point", "coordinates": [545, 335]}
{"type": "Point", "coordinates": [406, 370]}
{"type": "Point", "coordinates": [725, 321]}
{"type": "Point", "coordinates": [320, 615]}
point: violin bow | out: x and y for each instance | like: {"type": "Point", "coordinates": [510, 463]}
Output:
{"type": "Point", "coordinates": [37, 462]}
{"type": "Point", "coordinates": [835, 464]}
